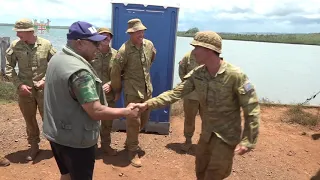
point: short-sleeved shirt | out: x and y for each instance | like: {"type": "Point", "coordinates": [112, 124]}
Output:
{"type": "Point", "coordinates": [82, 87]}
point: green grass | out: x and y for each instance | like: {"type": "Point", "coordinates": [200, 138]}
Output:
{"type": "Point", "coordinates": [298, 114]}
{"type": "Point", "coordinates": [8, 92]}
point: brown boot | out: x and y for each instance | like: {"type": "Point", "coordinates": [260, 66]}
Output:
{"type": "Point", "coordinates": [134, 158]}
{"type": "Point", "coordinates": [186, 145]}
{"type": "Point", "coordinates": [4, 162]}
{"type": "Point", "coordinates": [33, 151]}
{"type": "Point", "coordinates": [108, 150]}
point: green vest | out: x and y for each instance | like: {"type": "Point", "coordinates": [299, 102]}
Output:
{"type": "Point", "coordinates": [65, 122]}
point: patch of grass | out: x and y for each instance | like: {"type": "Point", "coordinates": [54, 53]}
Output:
{"type": "Point", "coordinates": [7, 92]}
{"type": "Point", "coordinates": [298, 114]}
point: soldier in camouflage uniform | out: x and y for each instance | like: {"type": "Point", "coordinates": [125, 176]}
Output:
{"type": "Point", "coordinates": [4, 161]}
{"type": "Point", "coordinates": [191, 104]}
{"type": "Point", "coordinates": [32, 53]}
{"type": "Point", "coordinates": [102, 64]}
{"type": "Point", "coordinates": [223, 90]}
{"type": "Point", "coordinates": [134, 59]}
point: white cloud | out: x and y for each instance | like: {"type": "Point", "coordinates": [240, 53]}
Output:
{"type": "Point", "coordinates": [99, 11]}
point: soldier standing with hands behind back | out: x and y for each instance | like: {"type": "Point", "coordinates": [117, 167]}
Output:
{"type": "Point", "coordinates": [134, 58]}
{"type": "Point", "coordinates": [32, 53]}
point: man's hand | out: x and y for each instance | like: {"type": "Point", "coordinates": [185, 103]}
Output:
{"type": "Point", "coordinates": [133, 111]}
{"type": "Point", "coordinates": [142, 106]}
{"type": "Point", "coordinates": [106, 87]}
{"type": "Point", "coordinates": [25, 90]}
{"type": "Point", "coordinates": [240, 149]}
{"type": "Point", "coordinates": [40, 84]}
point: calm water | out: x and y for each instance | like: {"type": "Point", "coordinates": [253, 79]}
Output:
{"type": "Point", "coordinates": [280, 72]}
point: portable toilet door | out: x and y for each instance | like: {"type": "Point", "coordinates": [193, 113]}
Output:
{"type": "Point", "coordinates": [161, 23]}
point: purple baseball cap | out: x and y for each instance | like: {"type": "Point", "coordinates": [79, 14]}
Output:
{"type": "Point", "coordinates": [84, 30]}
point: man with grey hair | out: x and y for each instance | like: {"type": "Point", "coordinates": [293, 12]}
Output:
{"type": "Point", "coordinates": [74, 103]}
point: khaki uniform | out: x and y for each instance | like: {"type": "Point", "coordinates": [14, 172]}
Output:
{"type": "Point", "coordinates": [191, 103]}
{"type": "Point", "coordinates": [32, 63]}
{"type": "Point", "coordinates": [102, 65]}
{"type": "Point", "coordinates": [135, 64]}
{"type": "Point", "coordinates": [221, 97]}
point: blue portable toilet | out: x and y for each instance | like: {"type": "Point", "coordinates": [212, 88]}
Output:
{"type": "Point", "coordinates": [161, 23]}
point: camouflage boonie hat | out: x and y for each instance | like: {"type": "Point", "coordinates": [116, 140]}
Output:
{"type": "Point", "coordinates": [105, 30]}
{"type": "Point", "coordinates": [209, 40]}
{"type": "Point", "coordinates": [23, 25]}
{"type": "Point", "coordinates": [135, 25]}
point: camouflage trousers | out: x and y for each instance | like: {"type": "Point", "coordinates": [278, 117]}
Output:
{"type": "Point", "coordinates": [134, 126]}
{"type": "Point", "coordinates": [106, 128]}
{"type": "Point", "coordinates": [191, 108]}
{"type": "Point", "coordinates": [28, 106]}
{"type": "Point", "coordinates": [214, 158]}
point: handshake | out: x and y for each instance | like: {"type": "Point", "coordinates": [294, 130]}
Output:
{"type": "Point", "coordinates": [134, 110]}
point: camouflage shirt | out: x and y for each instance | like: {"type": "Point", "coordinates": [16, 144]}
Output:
{"type": "Point", "coordinates": [187, 64]}
{"type": "Point", "coordinates": [135, 64]}
{"type": "Point", "coordinates": [82, 87]}
{"type": "Point", "coordinates": [221, 97]}
{"type": "Point", "coordinates": [102, 64]}
{"type": "Point", "coordinates": [32, 61]}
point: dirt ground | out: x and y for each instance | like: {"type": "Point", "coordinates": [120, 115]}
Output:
{"type": "Point", "coordinates": [284, 152]}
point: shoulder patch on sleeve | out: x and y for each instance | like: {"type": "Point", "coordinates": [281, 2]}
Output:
{"type": "Point", "coordinates": [248, 86]}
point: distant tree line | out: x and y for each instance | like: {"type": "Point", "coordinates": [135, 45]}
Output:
{"type": "Point", "coordinates": [308, 39]}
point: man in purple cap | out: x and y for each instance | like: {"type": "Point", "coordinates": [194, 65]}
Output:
{"type": "Point", "coordinates": [74, 103]}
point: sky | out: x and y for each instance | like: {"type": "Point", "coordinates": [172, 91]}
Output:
{"type": "Point", "coordinates": [236, 16]}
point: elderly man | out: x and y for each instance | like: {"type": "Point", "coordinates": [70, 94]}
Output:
{"type": "Point", "coordinates": [74, 103]}
{"type": "Point", "coordinates": [134, 59]}
{"type": "Point", "coordinates": [222, 89]}
{"type": "Point", "coordinates": [102, 64]}
{"type": "Point", "coordinates": [32, 53]}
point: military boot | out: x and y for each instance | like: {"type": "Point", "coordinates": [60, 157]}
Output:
{"type": "Point", "coordinates": [108, 150]}
{"type": "Point", "coordinates": [4, 162]}
{"type": "Point", "coordinates": [33, 151]}
{"type": "Point", "coordinates": [134, 158]}
{"type": "Point", "coordinates": [186, 145]}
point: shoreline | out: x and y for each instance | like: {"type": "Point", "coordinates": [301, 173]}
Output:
{"type": "Point", "coordinates": [312, 39]}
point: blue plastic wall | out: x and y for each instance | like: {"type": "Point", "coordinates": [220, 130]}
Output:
{"type": "Point", "coordinates": [161, 26]}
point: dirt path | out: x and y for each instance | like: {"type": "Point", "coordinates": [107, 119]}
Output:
{"type": "Point", "coordinates": [284, 152]}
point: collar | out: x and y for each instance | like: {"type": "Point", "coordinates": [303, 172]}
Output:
{"type": "Point", "coordinates": [132, 45]}
{"type": "Point", "coordinates": [100, 54]}
{"type": "Point", "coordinates": [222, 69]}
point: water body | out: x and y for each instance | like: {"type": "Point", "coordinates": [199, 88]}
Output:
{"type": "Point", "coordinates": [284, 73]}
